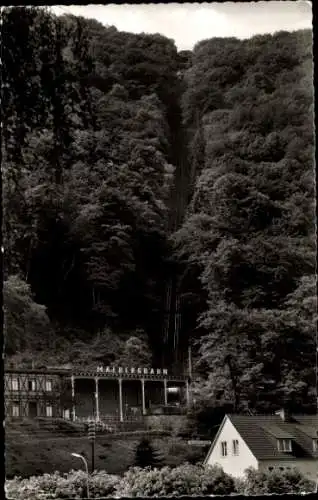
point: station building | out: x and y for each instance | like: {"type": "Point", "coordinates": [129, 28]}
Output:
{"type": "Point", "coordinates": [102, 394]}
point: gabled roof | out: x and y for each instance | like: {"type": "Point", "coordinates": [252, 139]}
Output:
{"type": "Point", "coordinates": [278, 432]}
{"type": "Point", "coordinates": [261, 432]}
{"type": "Point", "coordinates": [310, 431]}
{"type": "Point", "coordinates": [215, 439]}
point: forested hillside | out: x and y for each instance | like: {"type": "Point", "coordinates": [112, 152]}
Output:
{"type": "Point", "coordinates": [155, 199]}
{"type": "Point", "coordinates": [248, 240]}
{"type": "Point", "coordinates": [87, 182]}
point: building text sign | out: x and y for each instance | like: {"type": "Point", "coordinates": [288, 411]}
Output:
{"type": "Point", "coordinates": [131, 371]}
{"type": "Point", "coordinates": [199, 442]}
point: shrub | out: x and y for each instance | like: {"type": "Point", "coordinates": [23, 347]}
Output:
{"type": "Point", "coordinates": [72, 485]}
{"type": "Point", "coordinates": [158, 482]}
{"type": "Point", "coordinates": [215, 481]}
{"type": "Point", "coordinates": [260, 482]}
{"type": "Point", "coordinates": [56, 486]}
{"type": "Point", "coordinates": [32, 488]}
{"type": "Point", "coordinates": [186, 479]}
{"type": "Point", "coordinates": [103, 484]}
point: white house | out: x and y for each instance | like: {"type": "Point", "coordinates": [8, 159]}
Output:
{"type": "Point", "coordinates": [266, 442]}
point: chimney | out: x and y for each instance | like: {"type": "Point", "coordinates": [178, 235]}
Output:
{"type": "Point", "coordinates": [283, 414]}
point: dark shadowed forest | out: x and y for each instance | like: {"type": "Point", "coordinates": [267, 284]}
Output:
{"type": "Point", "coordinates": [157, 200]}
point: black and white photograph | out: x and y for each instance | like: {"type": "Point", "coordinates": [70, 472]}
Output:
{"type": "Point", "coordinates": [159, 250]}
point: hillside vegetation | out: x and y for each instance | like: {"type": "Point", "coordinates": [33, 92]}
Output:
{"type": "Point", "coordinates": [42, 447]}
{"type": "Point", "coordinates": [126, 166]}
{"type": "Point", "coordinates": [87, 180]}
{"type": "Point", "coordinates": [249, 233]}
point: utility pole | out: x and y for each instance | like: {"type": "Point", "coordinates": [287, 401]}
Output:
{"type": "Point", "coordinates": [317, 371]}
{"type": "Point", "coordinates": [190, 361]}
{"type": "Point", "coordinates": [91, 437]}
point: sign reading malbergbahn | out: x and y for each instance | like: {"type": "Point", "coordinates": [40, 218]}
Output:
{"type": "Point", "coordinates": [67, 392]}
{"type": "Point", "coordinates": [139, 371]}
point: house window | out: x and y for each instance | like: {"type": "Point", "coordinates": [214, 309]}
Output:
{"type": "Point", "coordinates": [32, 409]}
{"type": "Point", "coordinates": [49, 411]}
{"type": "Point", "coordinates": [66, 414]}
{"type": "Point", "coordinates": [284, 445]}
{"type": "Point", "coordinates": [31, 385]}
{"type": "Point", "coordinates": [235, 447]}
{"type": "Point", "coordinates": [315, 444]}
{"type": "Point", "coordinates": [15, 410]}
{"type": "Point", "coordinates": [224, 448]}
{"type": "Point", "coordinates": [48, 385]}
{"type": "Point", "coordinates": [15, 384]}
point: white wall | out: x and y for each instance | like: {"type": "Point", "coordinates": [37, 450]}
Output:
{"type": "Point", "coordinates": [308, 467]}
{"type": "Point", "coordinates": [232, 464]}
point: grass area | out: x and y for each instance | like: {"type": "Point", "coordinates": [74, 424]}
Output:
{"type": "Point", "coordinates": [35, 447]}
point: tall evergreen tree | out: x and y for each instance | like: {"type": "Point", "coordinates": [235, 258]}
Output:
{"type": "Point", "coordinates": [146, 455]}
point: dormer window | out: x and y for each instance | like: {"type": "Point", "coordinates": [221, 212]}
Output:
{"type": "Point", "coordinates": [315, 444]}
{"type": "Point", "coordinates": [284, 445]}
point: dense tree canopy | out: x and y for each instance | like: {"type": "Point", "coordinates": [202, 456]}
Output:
{"type": "Point", "coordinates": [149, 192]}
{"type": "Point", "coordinates": [87, 170]}
{"type": "Point", "coordinates": [249, 230]}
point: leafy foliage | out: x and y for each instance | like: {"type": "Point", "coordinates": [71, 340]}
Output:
{"type": "Point", "coordinates": [249, 233]}
{"type": "Point", "coordinates": [87, 172]}
{"type": "Point", "coordinates": [25, 320]}
{"type": "Point", "coordinates": [279, 482]}
{"type": "Point", "coordinates": [69, 485]}
{"type": "Point", "coordinates": [112, 141]}
{"type": "Point", "coordinates": [183, 480]}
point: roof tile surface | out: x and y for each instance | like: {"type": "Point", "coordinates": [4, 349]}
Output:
{"type": "Point", "coordinates": [260, 433]}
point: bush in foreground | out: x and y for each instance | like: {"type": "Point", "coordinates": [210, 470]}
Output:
{"type": "Point", "coordinates": [215, 481]}
{"type": "Point", "coordinates": [159, 482]}
{"type": "Point", "coordinates": [186, 479]}
{"type": "Point", "coordinates": [70, 485]}
{"type": "Point", "coordinates": [260, 482]}
{"type": "Point", "coordinates": [183, 480]}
